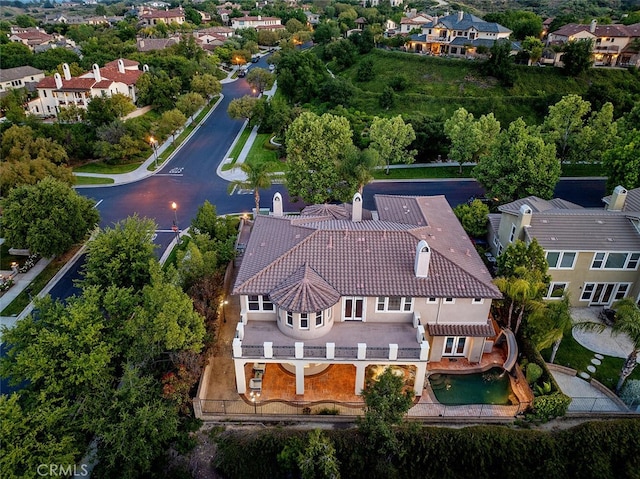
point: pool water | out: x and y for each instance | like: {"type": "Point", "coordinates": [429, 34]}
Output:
{"type": "Point", "coordinates": [489, 387]}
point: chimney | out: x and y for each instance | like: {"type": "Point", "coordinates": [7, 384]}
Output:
{"type": "Point", "coordinates": [96, 72]}
{"type": "Point", "coordinates": [259, 17]}
{"type": "Point", "coordinates": [618, 198]}
{"type": "Point", "coordinates": [58, 80]}
{"type": "Point", "coordinates": [277, 204]}
{"type": "Point", "coordinates": [66, 71]}
{"type": "Point", "coordinates": [524, 217]}
{"type": "Point", "coordinates": [460, 15]}
{"type": "Point", "coordinates": [356, 210]}
{"type": "Point", "coordinates": [594, 24]}
{"type": "Point", "coordinates": [145, 68]}
{"type": "Point", "coordinates": [121, 65]}
{"type": "Point", "coordinates": [423, 256]}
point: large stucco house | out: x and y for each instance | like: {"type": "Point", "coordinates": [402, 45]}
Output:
{"type": "Point", "coordinates": [457, 34]}
{"type": "Point", "coordinates": [613, 45]}
{"type": "Point", "coordinates": [593, 254]}
{"type": "Point", "coordinates": [339, 284]}
{"type": "Point", "coordinates": [60, 91]}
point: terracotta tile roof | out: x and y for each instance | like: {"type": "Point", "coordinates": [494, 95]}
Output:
{"type": "Point", "coordinates": [372, 257]}
{"type": "Point", "coordinates": [305, 291]}
{"type": "Point", "coordinates": [473, 330]}
{"type": "Point", "coordinates": [338, 212]}
{"type": "Point", "coordinates": [631, 204]}
{"type": "Point", "coordinates": [126, 61]}
{"type": "Point", "coordinates": [617, 30]}
{"type": "Point", "coordinates": [129, 77]}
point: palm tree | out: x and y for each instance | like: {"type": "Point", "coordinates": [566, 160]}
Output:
{"type": "Point", "coordinates": [257, 177]}
{"type": "Point", "coordinates": [521, 293]}
{"type": "Point", "coordinates": [627, 322]}
{"type": "Point", "coordinates": [553, 321]}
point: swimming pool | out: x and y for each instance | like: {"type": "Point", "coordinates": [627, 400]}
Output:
{"type": "Point", "coordinates": [489, 387]}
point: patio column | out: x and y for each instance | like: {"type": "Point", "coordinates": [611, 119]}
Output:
{"type": "Point", "coordinates": [241, 380]}
{"type": "Point", "coordinates": [299, 378]}
{"type": "Point", "coordinates": [418, 385]}
{"type": "Point", "coordinates": [360, 369]}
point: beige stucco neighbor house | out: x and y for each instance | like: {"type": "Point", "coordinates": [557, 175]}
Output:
{"type": "Point", "coordinates": [258, 22]}
{"type": "Point", "coordinates": [19, 77]}
{"type": "Point", "coordinates": [339, 284]}
{"type": "Point", "coordinates": [593, 254]}
{"type": "Point", "coordinates": [60, 91]}
{"type": "Point", "coordinates": [613, 45]}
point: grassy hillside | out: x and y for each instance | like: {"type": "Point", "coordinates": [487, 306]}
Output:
{"type": "Point", "coordinates": [436, 84]}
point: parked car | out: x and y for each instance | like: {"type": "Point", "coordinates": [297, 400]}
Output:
{"type": "Point", "coordinates": [272, 67]}
{"type": "Point", "coordinates": [255, 59]}
{"type": "Point", "coordinates": [242, 73]}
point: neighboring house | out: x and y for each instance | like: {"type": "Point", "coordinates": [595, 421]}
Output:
{"type": "Point", "coordinates": [259, 23]}
{"type": "Point", "coordinates": [19, 77]}
{"type": "Point", "coordinates": [338, 284]}
{"type": "Point", "coordinates": [32, 37]}
{"type": "Point", "coordinates": [151, 44]}
{"type": "Point", "coordinates": [361, 23]}
{"type": "Point", "coordinates": [225, 32]}
{"type": "Point", "coordinates": [613, 45]}
{"type": "Point", "coordinates": [153, 17]}
{"type": "Point", "coordinates": [458, 34]}
{"type": "Point", "coordinates": [313, 19]}
{"type": "Point", "coordinates": [413, 21]}
{"type": "Point", "coordinates": [119, 76]}
{"type": "Point", "coordinates": [390, 28]}
{"type": "Point", "coordinates": [593, 254]}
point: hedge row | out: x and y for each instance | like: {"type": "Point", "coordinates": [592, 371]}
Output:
{"type": "Point", "coordinates": [598, 450]}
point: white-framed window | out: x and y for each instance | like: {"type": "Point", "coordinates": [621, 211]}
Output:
{"type": "Point", "coordinates": [304, 320]}
{"type": "Point", "coordinates": [621, 292]}
{"type": "Point", "coordinates": [587, 291]}
{"type": "Point", "coordinates": [259, 303]}
{"type": "Point", "coordinates": [319, 319]}
{"type": "Point", "coordinates": [615, 260]}
{"type": "Point", "coordinates": [290, 319]}
{"type": "Point", "coordinates": [512, 235]}
{"type": "Point", "coordinates": [556, 290]}
{"type": "Point", "coordinates": [394, 304]}
{"type": "Point", "coordinates": [432, 300]}
{"type": "Point", "coordinates": [477, 301]}
{"type": "Point", "coordinates": [454, 346]}
{"type": "Point", "coordinates": [561, 259]}
{"type": "Point", "coordinates": [449, 300]}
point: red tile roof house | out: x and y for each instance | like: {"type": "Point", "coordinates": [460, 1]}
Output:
{"type": "Point", "coordinates": [118, 76]}
{"type": "Point", "coordinates": [338, 284]}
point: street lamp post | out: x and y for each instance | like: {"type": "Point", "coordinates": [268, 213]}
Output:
{"type": "Point", "coordinates": [223, 304]}
{"type": "Point", "coordinates": [154, 145]}
{"type": "Point", "coordinates": [175, 229]}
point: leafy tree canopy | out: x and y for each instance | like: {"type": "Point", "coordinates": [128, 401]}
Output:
{"type": "Point", "coordinates": [47, 218]}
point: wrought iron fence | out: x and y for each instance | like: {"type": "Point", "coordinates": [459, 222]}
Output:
{"type": "Point", "coordinates": [422, 409]}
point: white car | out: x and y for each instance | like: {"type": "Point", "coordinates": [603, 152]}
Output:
{"type": "Point", "coordinates": [272, 67]}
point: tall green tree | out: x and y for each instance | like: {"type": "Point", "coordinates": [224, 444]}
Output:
{"type": "Point", "coordinates": [318, 459]}
{"type": "Point", "coordinates": [521, 293]}
{"type": "Point", "coordinates": [627, 322]}
{"type": "Point", "coordinates": [386, 400]}
{"type": "Point", "coordinates": [577, 57]}
{"type": "Point", "coordinates": [246, 107]}
{"type": "Point", "coordinates": [390, 137]}
{"type": "Point", "coordinates": [206, 84]}
{"type": "Point", "coordinates": [474, 218]}
{"type": "Point", "coordinates": [189, 103]}
{"type": "Point", "coordinates": [470, 139]}
{"type": "Point", "coordinates": [596, 137]}
{"type": "Point", "coordinates": [170, 122]}
{"type": "Point", "coordinates": [28, 158]}
{"type": "Point", "coordinates": [361, 165]}
{"type": "Point", "coordinates": [47, 218]}
{"type": "Point", "coordinates": [520, 164]}
{"type": "Point", "coordinates": [260, 79]}
{"type": "Point", "coordinates": [316, 147]}
{"type": "Point", "coordinates": [500, 63]}
{"type": "Point", "coordinates": [257, 177]}
{"type": "Point", "coordinates": [120, 256]}
{"type": "Point", "coordinates": [547, 326]}
{"type": "Point", "coordinates": [564, 122]}
{"type": "Point", "coordinates": [622, 161]}
{"type": "Point", "coordinates": [519, 254]}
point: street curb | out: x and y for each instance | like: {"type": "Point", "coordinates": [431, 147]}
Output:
{"type": "Point", "coordinates": [219, 172]}
{"type": "Point", "coordinates": [143, 168]}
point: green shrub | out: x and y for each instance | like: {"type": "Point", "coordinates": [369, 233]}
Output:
{"type": "Point", "coordinates": [327, 411]}
{"type": "Point", "coordinates": [533, 373]}
{"type": "Point", "coordinates": [550, 406]}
